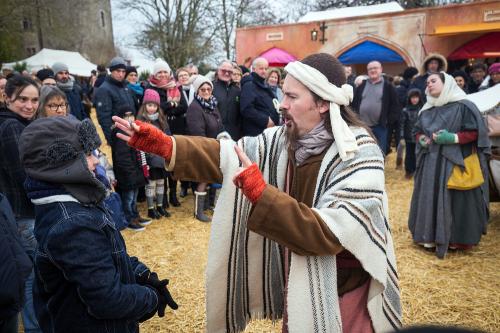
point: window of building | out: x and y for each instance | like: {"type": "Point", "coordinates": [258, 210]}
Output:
{"type": "Point", "coordinates": [33, 50]}
{"type": "Point", "coordinates": [103, 19]}
{"type": "Point", "coordinates": [27, 23]}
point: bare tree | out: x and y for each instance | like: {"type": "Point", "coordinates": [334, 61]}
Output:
{"type": "Point", "coordinates": [235, 14]}
{"type": "Point", "coordinates": [179, 31]}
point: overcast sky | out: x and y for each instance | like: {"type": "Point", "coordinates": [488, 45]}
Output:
{"type": "Point", "coordinates": [124, 23]}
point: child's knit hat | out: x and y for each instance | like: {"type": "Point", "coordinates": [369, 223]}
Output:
{"type": "Point", "coordinates": [151, 96]}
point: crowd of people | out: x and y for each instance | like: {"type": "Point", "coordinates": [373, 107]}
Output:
{"type": "Point", "coordinates": [308, 173]}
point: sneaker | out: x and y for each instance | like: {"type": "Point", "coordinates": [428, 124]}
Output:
{"type": "Point", "coordinates": [143, 221]}
{"type": "Point", "coordinates": [135, 226]}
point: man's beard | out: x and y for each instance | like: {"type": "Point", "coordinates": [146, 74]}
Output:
{"type": "Point", "coordinates": [291, 130]}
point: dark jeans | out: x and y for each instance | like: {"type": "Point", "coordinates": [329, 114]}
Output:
{"type": "Point", "coordinates": [393, 131]}
{"type": "Point", "coordinates": [410, 158]}
{"type": "Point", "coordinates": [129, 202]}
{"type": "Point", "coordinates": [380, 133]}
{"type": "Point", "coordinates": [26, 227]}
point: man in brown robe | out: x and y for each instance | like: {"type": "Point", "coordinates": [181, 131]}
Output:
{"type": "Point", "coordinates": [306, 201]}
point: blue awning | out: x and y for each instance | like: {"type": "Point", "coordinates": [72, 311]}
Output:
{"type": "Point", "coordinates": [368, 51]}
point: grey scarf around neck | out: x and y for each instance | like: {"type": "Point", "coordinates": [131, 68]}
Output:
{"type": "Point", "coordinates": [312, 143]}
{"type": "Point", "coordinates": [65, 86]}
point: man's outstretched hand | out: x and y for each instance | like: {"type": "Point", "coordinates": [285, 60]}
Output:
{"type": "Point", "coordinates": [248, 177]}
{"type": "Point", "coordinates": [128, 127]}
{"type": "Point", "coordinates": [145, 137]}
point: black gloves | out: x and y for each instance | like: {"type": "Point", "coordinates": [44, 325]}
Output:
{"type": "Point", "coordinates": [160, 286]}
{"type": "Point", "coordinates": [164, 297]}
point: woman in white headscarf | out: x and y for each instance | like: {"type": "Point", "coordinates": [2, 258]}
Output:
{"type": "Point", "coordinates": [449, 129]}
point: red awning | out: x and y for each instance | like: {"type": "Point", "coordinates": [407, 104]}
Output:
{"type": "Point", "coordinates": [277, 57]}
{"type": "Point", "coordinates": [486, 46]}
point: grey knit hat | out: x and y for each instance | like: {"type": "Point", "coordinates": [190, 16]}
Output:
{"type": "Point", "coordinates": [59, 67]}
{"type": "Point", "coordinates": [117, 63]}
{"type": "Point", "coordinates": [54, 150]}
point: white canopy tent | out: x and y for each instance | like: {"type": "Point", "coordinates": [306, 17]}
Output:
{"type": "Point", "coordinates": [77, 64]}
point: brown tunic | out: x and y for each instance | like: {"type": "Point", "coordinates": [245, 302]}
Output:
{"type": "Point", "coordinates": [285, 218]}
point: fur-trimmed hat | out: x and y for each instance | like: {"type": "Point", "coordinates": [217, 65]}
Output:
{"type": "Point", "coordinates": [161, 65]}
{"type": "Point", "coordinates": [54, 150]}
{"type": "Point", "coordinates": [443, 64]}
{"type": "Point", "coordinates": [151, 96]}
{"type": "Point", "coordinates": [199, 81]}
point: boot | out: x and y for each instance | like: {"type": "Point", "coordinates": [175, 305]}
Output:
{"type": "Point", "coordinates": [172, 193]}
{"type": "Point", "coordinates": [184, 192]}
{"type": "Point", "coordinates": [211, 198]}
{"type": "Point", "coordinates": [199, 205]}
{"type": "Point", "coordinates": [153, 213]}
{"type": "Point", "coordinates": [162, 211]}
{"type": "Point", "coordinates": [184, 188]}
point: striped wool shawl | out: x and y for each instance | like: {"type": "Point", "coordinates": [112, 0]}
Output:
{"type": "Point", "coordinates": [245, 271]}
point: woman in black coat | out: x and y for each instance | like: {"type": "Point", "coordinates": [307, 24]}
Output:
{"type": "Point", "coordinates": [203, 119]}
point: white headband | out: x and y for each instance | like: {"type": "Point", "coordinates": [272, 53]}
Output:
{"type": "Point", "coordinates": [319, 84]}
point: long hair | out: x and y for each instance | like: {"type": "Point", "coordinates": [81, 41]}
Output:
{"type": "Point", "coordinates": [334, 71]}
{"type": "Point", "coordinates": [16, 84]}
{"type": "Point", "coordinates": [142, 115]}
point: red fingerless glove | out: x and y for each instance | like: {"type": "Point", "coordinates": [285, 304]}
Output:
{"type": "Point", "coordinates": [151, 140]}
{"type": "Point", "coordinates": [252, 183]}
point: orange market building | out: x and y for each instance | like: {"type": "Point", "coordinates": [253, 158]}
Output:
{"type": "Point", "coordinates": [463, 33]}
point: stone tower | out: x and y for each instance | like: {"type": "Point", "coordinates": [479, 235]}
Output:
{"type": "Point", "coordinates": [73, 25]}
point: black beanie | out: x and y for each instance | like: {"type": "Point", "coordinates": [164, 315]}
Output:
{"type": "Point", "coordinates": [409, 73]}
{"type": "Point", "coordinates": [460, 73]}
{"type": "Point", "coordinates": [130, 69]}
{"type": "Point", "coordinates": [45, 73]}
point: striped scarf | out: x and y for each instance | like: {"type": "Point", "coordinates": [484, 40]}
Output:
{"type": "Point", "coordinates": [208, 105]}
{"type": "Point", "coordinates": [245, 278]}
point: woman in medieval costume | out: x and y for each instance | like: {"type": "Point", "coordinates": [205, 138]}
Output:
{"type": "Point", "coordinates": [449, 129]}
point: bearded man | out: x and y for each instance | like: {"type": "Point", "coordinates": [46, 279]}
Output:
{"type": "Point", "coordinates": [300, 230]}
{"type": "Point", "coordinates": [71, 88]}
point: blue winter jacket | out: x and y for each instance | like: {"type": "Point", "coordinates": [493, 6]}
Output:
{"type": "Point", "coordinates": [84, 279]}
{"type": "Point", "coordinates": [256, 105]}
{"type": "Point", "coordinates": [75, 103]}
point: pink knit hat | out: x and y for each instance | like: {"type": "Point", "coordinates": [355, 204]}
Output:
{"type": "Point", "coordinates": [151, 96]}
{"type": "Point", "coordinates": [494, 68]}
